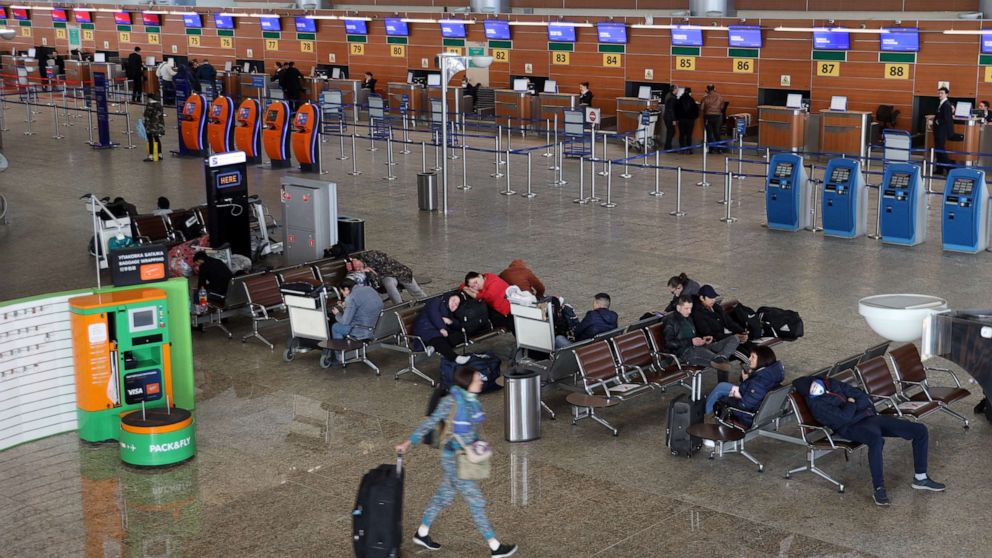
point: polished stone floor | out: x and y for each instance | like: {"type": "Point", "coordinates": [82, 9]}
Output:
{"type": "Point", "coordinates": [282, 446]}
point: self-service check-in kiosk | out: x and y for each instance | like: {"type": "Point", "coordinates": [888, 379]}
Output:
{"type": "Point", "coordinates": [227, 202]}
{"type": "Point", "coordinates": [903, 212]}
{"type": "Point", "coordinates": [845, 199]}
{"type": "Point", "coordinates": [788, 203]}
{"type": "Point", "coordinates": [305, 138]}
{"type": "Point", "coordinates": [194, 124]}
{"type": "Point", "coordinates": [220, 125]}
{"type": "Point", "coordinates": [965, 221]}
{"type": "Point", "coordinates": [310, 217]}
{"type": "Point", "coordinates": [123, 361]}
{"type": "Point", "coordinates": [275, 133]}
{"type": "Point", "coordinates": [248, 130]}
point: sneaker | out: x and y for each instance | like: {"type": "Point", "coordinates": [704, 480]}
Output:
{"type": "Point", "coordinates": [881, 498]}
{"type": "Point", "coordinates": [928, 484]}
{"type": "Point", "coordinates": [462, 359]}
{"type": "Point", "coordinates": [429, 350]}
{"type": "Point", "coordinates": [504, 550]}
{"type": "Point", "coordinates": [709, 443]}
{"type": "Point", "coordinates": [425, 542]}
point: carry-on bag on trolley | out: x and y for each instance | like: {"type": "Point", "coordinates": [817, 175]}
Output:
{"type": "Point", "coordinates": [377, 519]}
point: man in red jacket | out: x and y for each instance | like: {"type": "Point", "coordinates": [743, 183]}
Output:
{"type": "Point", "coordinates": [489, 288]}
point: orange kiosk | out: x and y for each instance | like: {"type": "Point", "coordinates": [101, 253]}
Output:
{"type": "Point", "coordinates": [220, 125]}
{"type": "Point", "coordinates": [248, 130]}
{"type": "Point", "coordinates": [306, 137]}
{"type": "Point", "coordinates": [194, 124]}
{"type": "Point", "coordinates": [275, 133]}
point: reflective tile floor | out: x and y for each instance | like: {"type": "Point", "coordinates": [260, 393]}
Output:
{"type": "Point", "coordinates": [283, 446]}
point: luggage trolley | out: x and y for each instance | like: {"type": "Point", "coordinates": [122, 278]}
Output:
{"type": "Point", "coordinates": [436, 120]}
{"type": "Point", "coordinates": [308, 322]}
{"type": "Point", "coordinates": [643, 139]}
{"type": "Point", "coordinates": [577, 142]}
{"type": "Point", "coordinates": [378, 125]}
{"type": "Point", "coordinates": [332, 117]}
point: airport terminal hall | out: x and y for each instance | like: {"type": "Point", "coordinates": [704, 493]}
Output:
{"type": "Point", "coordinates": [492, 278]}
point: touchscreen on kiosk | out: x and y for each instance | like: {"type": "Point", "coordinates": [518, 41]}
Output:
{"type": "Point", "coordinates": [783, 170]}
{"type": "Point", "coordinates": [452, 30]}
{"type": "Point", "coordinates": [142, 319]}
{"type": "Point", "coordinates": [396, 27]}
{"type": "Point", "coordinates": [150, 19]}
{"type": "Point", "coordinates": [243, 114]}
{"type": "Point", "coordinates": [829, 39]}
{"type": "Point", "coordinates": [561, 32]}
{"type": "Point", "coordinates": [840, 176]}
{"type": "Point", "coordinates": [223, 21]}
{"type": "Point", "coordinates": [305, 25]}
{"type": "Point", "coordinates": [270, 23]}
{"type": "Point", "coordinates": [900, 39]}
{"type": "Point", "coordinates": [192, 21]}
{"type": "Point", "coordinates": [838, 102]}
{"type": "Point", "coordinates": [355, 27]}
{"type": "Point", "coordinates": [899, 180]}
{"type": "Point", "coordinates": [497, 29]}
{"type": "Point", "coordinates": [550, 86]}
{"type": "Point", "coordinates": [122, 18]}
{"type": "Point", "coordinates": [615, 33]}
{"type": "Point", "coordinates": [691, 36]}
{"type": "Point", "coordinates": [744, 36]}
{"type": "Point", "coordinates": [272, 115]}
{"type": "Point", "coordinates": [963, 186]}
{"type": "Point", "coordinates": [59, 15]}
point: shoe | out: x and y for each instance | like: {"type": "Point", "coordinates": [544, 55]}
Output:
{"type": "Point", "coordinates": [980, 408]}
{"type": "Point", "coordinates": [723, 366]}
{"type": "Point", "coordinates": [425, 542]}
{"type": "Point", "coordinates": [928, 484]}
{"type": "Point", "coordinates": [504, 550]}
{"type": "Point", "coordinates": [462, 359]}
{"type": "Point", "coordinates": [429, 350]}
{"type": "Point", "coordinates": [881, 498]}
{"type": "Point", "coordinates": [709, 443]}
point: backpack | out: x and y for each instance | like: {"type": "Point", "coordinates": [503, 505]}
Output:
{"type": "Point", "coordinates": [472, 315]}
{"type": "Point", "coordinates": [748, 319]}
{"type": "Point", "coordinates": [776, 322]}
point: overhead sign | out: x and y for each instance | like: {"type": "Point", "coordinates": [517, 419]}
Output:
{"type": "Point", "coordinates": [137, 265]}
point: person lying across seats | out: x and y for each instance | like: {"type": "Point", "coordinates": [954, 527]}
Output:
{"type": "Point", "coordinates": [711, 320]}
{"type": "Point", "coordinates": [679, 285]}
{"type": "Point", "coordinates": [850, 413]}
{"type": "Point", "coordinates": [390, 271]}
{"type": "Point", "coordinates": [489, 288]}
{"type": "Point", "coordinates": [598, 320]}
{"type": "Point", "coordinates": [690, 348]}
{"type": "Point", "coordinates": [435, 327]}
{"type": "Point", "coordinates": [763, 374]}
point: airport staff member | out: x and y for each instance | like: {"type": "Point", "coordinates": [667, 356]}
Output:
{"type": "Point", "coordinates": [943, 127]}
{"type": "Point", "coordinates": [713, 116]}
{"type": "Point", "coordinates": [986, 113]}
{"type": "Point", "coordinates": [134, 70]}
{"type": "Point", "coordinates": [369, 83]}
{"type": "Point", "coordinates": [585, 96]}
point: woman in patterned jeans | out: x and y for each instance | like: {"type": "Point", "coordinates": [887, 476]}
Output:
{"type": "Point", "coordinates": [468, 415]}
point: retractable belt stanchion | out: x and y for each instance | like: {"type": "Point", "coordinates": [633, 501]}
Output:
{"type": "Point", "coordinates": [372, 146]}
{"type": "Point", "coordinates": [609, 186]}
{"type": "Point", "coordinates": [930, 176]}
{"type": "Point", "coordinates": [341, 157]}
{"type": "Point", "coordinates": [814, 183]}
{"type": "Point", "coordinates": [547, 138]}
{"type": "Point", "coordinates": [389, 158]}
{"type": "Point", "coordinates": [878, 215]}
{"type": "Point", "coordinates": [556, 160]}
{"type": "Point", "coordinates": [55, 116]}
{"type": "Point", "coordinates": [89, 122]}
{"type": "Point", "coordinates": [464, 185]}
{"type": "Point", "coordinates": [582, 199]}
{"type": "Point", "coordinates": [3, 107]}
{"type": "Point", "coordinates": [530, 192]}
{"type": "Point", "coordinates": [657, 176]}
{"type": "Point", "coordinates": [726, 193]}
{"type": "Point", "coordinates": [406, 135]}
{"type": "Point", "coordinates": [728, 186]}
{"type": "Point", "coordinates": [559, 169]}
{"type": "Point", "coordinates": [626, 154]}
{"type": "Point", "coordinates": [27, 106]}
{"type": "Point", "coordinates": [437, 154]}
{"type": "Point", "coordinates": [703, 181]}
{"type": "Point", "coordinates": [592, 180]}
{"type": "Point", "coordinates": [508, 191]}
{"type": "Point", "coordinates": [496, 151]}
{"type": "Point", "coordinates": [127, 123]}
{"type": "Point", "coordinates": [604, 168]}
{"type": "Point", "coordinates": [768, 161]}
{"type": "Point", "coordinates": [678, 194]}
{"type": "Point", "coordinates": [740, 158]}
{"type": "Point", "coordinates": [354, 157]}
{"type": "Point", "coordinates": [423, 156]}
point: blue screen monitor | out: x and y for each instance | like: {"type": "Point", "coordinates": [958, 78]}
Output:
{"type": "Point", "coordinates": [270, 23]}
{"type": "Point", "coordinates": [355, 27]}
{"type": "Point", "coordinates": [825, 39]}
{"type": "Point", "coordinates": [560, 32]}
{"type": "Point", "coordinates": [452, 30]}
{"type": "Point", "coordinates": [687, 37]}
{"type": "Point", "coordinates": [612, 33]}
{"type": "Point", "coordinates": [497, 30]}
{"type": "Point", "coordinates": [305, 25]}
{"type": "Point", "coordinates": [223, 21]}
{"type": "Point", "coordinates": [192, 21]}
{"type": "Point", "coordinates": [396, 27]}
{"type": "Point", "coordinates": [987, 44]}
{"type": "Point", "coordinates": [900, 39]}
{"type": "Point", "coordinates": [744, 36]}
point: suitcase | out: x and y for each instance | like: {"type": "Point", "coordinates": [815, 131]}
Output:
{"type": "Point", "coordinates": [683, 413]}
{"type": "Point", "coordinates": [377, 529]}
{"type": "Point", "coordinates": [488, 364]}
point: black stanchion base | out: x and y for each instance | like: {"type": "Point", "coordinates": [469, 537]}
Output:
{"type": "Point", "coordinates": [279, 164]}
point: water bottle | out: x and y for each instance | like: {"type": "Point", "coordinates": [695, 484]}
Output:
{"type": "Point", "coordinates": [202, 297]}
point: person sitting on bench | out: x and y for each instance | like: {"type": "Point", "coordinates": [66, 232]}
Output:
{"type": "Point", "coordinates": [710, 318]}
{"type": "Point", "coordinates": [680, 285]}
{"type": "Point", "coordinates": [362, 306]}
{"type": "Point", "coordinates": [213, 276]}
{"type": "Point", "coordinates": [598, 320]}
{"type": "Point", "coordinates": [391, 272]}
{"type": "Point", "coordinates": [517, 273]}
{"type": "Point", "coordinates": [431, 326]}
{"type": "Point", "coordinates": [849, 412]}
{"type": "Point", "coordinates": [489, 288]}
{"type": "Point", "coordinates": [682, 341]}
{"type": "Point", "coordinates": [764, 373]}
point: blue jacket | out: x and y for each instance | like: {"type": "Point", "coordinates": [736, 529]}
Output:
{"type": "Point", "coordinates": [468, 416]}
{"type": "Point", "coordinates": [756, 387]}
{"type": "Point", "coordinates": [595, 322]}
{"type": "Point", "coordinates": [832, 409]}
{"type": "Point", "coordinates": [429, 324]}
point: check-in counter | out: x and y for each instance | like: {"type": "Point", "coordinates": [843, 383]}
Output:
{"type": "Point", "coordinates": [417, 105]}
{"type": "Point", "coordinates": [985, 142]}
{"type": "Point", "coordinates": [254, 85]}
{"type": "Point", "coordinates": [971, 128]}
{"type": "Point", "coordinates": [313, 87]}
{"type": "Point", "coordinates": [629, 112]}
{"type": "Point", "coordinates": [349, 94]}
{"type": "Point", "coordinates": [230, 83]}
{"type": "Point", "coordinates": [515, 105]}
{"type": "Point", "coordinates": [551, 104]}
{"type": "Point", "coordinates": [782, 128]}
{"type": "Point", "coordinates": [149, 86]}
{"type": "Point", "coordinates": [77, 73]}
{"type": "Point", "coordinates": [844, 132]}
{"type": "Point", "coordinates": [458, 101]}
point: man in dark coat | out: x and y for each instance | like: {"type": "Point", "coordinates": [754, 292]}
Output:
{"type": "Point", "coordinates": [134, 70]}
{"type": "Point", "coordinates": [291, 81]}
{"type": "Point", "coordinates": [686, 112]}
{"type": "Point", "coordinates": [668, 115]}
{"type": "Point", "coordinates": [598, 320]}
{"type": "Point", "coordinates": [943, 128]}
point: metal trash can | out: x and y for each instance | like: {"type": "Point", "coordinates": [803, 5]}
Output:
{"type": "Point", "coordinates": [522, 405]}
{"type": "Point", "coordinates": [427, 191]}
{"type": "Point", "coordinates": [351, 233]}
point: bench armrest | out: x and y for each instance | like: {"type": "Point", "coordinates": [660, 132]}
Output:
{"type": "Point", "coordinates": [888, 399]}
{"type": "Point", "coordinates": [957, 382]}
{"type": "Point", "coordinates": [823, 429]}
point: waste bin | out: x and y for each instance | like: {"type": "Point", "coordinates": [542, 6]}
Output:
{"type": "Point", "coordinates": [522, 405]}
{"type": "Point", "coordinates": [427, 191]}
{"type": "Point", "coordinates": [351, 234]}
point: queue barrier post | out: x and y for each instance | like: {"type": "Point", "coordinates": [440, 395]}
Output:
{"type": "Point", "coordinates": [530, 192]}
{"type": "Point", "coordinates": [508, 191]}
{"type": "Point", "coordinates": [678, 194]}
{"type": "Point", "coordinates": [703, 181]}
{"type": "Point", "coordinates": [464, 185]}
{"type": "Point", "coordinates": [354, 158]}
{"type": "Point", "coordinates": [728, 186]}
{"type": "Point", "coordinates": [609, 187]}
{"type": "Point", "coordinates": [582, 199]}
{"type": "Point", "coordinates": [657, 176]}
{"type": "Point", "coordinates": [626, 154]}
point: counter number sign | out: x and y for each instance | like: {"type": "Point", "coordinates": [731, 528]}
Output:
{"type": "Point", "coordinates": [685, 63]}
{"type": "Point", "coordinates": [560, 58]}
{"type": "Point", "coordinates": [828, 69]}
{"type": "Point", "coordinates": [897, 71]}
{"type": "Point", "coordinates": [743, 65]}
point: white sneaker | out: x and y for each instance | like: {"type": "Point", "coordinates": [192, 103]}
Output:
{"type": "Point", "coordinates": [709, 443]}
{"type": "Point", "coordinates": [462, 359]}
{"type": "Point", "coordinates": [429, 350]}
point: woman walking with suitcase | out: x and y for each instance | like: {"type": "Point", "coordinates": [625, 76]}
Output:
{"type": "Point", "coordinates": [463, 406]}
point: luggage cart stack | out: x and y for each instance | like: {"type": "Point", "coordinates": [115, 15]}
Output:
{"type": "Point", "coordinates": [308, 320]}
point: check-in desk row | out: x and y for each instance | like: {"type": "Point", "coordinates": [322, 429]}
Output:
{"type": "Point", "coordinates": [829, 131]}
{"type": "Point", "coordinates": [417, 100]}
{"type": "Point", "coordinates": [977, 139]}
{"type": "Point", "coordinates": [523, 109]}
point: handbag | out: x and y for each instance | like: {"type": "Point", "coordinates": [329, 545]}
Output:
{"type": "Point", "coordinates": [474, 461]}
{"type": "Point", "coordinates": [140, 128]}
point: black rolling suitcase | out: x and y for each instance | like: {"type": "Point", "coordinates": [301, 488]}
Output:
{"type": "Point", "coordinates": [377, 529]}
{"type": "Point", "coordinates": [683, 412]}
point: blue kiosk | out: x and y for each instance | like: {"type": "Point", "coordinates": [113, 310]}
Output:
{"type": "Point", "coordinates": [903, 212]}
{"type": "Point", "coordinates": [845, 199]}
{"type": "Point", "coordinates": [788, 203]}
{"type": "Point", "coordinates": [965, 221]}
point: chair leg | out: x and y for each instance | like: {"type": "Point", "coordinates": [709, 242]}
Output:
{"type": "Point", "coordinates": [412, 369]}
{"type": "Point", "coordinates": [256, 335]}
{"type": "Point", "coordinates": [811, 467]}
{"type": "Point", "coordinates": [597, 418]}
{"type": "Point", "coordinates": [548, 410]}
{"type": "Point", "coordinates": [579, 413]}
{"type": "Point", "coordinates": [365, 360]}
{"type": "Point", "coordinates": [955, 414]}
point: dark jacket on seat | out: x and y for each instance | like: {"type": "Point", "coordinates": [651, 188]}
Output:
{"type": "Point", "coordinates": [832, 409]}
{"type": "Point", "coordinates": [754, 389]}
{"type": "Point", "coordinates": [679, 332]}
{"type": "Point", "coordinates": [595, 322]}
{"type": "Point", "coordinates": [429, 324]}
{"type": "Point", "coordinates": [713, 322]}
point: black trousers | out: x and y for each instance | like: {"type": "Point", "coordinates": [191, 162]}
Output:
{"type": "Point", "coordinates": [685, 132]}
{"type": "Point", "coordinates": [136, 85]}
{"type": "Point", "coordinates": [712, 123]}
{"type": "Point", "coordinates": [443, 346]}
{"type": "Point", "coordinates": [941, 158]}
{"type": "Point", "coordinates": [153, 142]}
{"type": "Point", "coordinates": [669, 133]}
